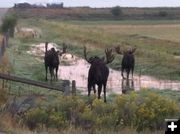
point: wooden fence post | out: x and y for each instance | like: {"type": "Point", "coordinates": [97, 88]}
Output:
{"type": "Point", "coordinates": [66, 86]}
{"type": "Point", "coordinates": [74, 87]}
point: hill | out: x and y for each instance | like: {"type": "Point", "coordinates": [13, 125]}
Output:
{"type": "Point", "coordinates": [87, 13]}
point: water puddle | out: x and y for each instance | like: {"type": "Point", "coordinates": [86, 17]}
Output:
{"type": "Point", "coordinates": [76, 68]}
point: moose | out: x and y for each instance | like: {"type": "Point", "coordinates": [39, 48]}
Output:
{"type": "Point", "coordinates": [51, 61]}
{"type": "Point", "coordinates": [128, 61]}
{"type": "Point", "coordinates": [98, 72]}
{"type": "Point", "coordinates": [127, 85]}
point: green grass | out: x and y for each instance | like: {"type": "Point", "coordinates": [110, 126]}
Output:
{"type": "Point", "coordinates": [23, 63]}
{"type": "Point", "coordinates": [155, 56]}
{"type": "Point", "coordinates": [174, 95]}
{"type": "Point", "coordinates": [122, 22]}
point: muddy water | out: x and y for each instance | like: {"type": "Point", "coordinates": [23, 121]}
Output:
{"type": "Point", "coordinates": [76, 68]}
{"type": "Point", "coordinates": [79, 72]}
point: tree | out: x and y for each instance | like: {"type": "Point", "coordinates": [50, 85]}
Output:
{"type": "Point", "coordinates": [116, 11]}
{"type": "Point", "coordinates": [8, 24]}
{"type": "Point", "coordinates": [163, 13]}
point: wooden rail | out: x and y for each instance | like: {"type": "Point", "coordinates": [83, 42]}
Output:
{"type": "Point", "coordinates": [61, 87]}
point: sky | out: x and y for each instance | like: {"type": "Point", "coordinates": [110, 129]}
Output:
{"type": "Point", "coordinates": [100, 3]}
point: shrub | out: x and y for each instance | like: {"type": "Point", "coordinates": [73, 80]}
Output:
{"type": "Point", "coordinates": [103, 113]}
{"type": "Point", "coordinates": [145, 110]}
{"type": "Point", "coordinates": [141, 110]}
{"type": "Point", "coordinates": [69, 105]}
{"type": "Point", "coordinates": [3, 96]}
{"type": "Point", "coordinates": [116, 11]}
{"type": "Point", "coordinates": [56, 120]}
{"type": "Point", "coordinates": [8, 24]}
{"type": "Point", "coordinates": [163, 13]}
{"type": "Point", "coordinates": [36, 117]}
{"type": "Point", "coordinates": [87, 119]}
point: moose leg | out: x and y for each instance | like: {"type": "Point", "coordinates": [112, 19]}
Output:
{"type": "Point", "coordinates": [128, 71]}
{"type": "Point", "coordinates": [89, 89]}
{"type": "Point", "coordinates": [99, 90]}
{"type": "Point", "coordinates": [104, 92]}
{"type": "Point", "coordinates": [132, 71]}
{"type": "Point", "coordinates": [51, 72]}
{"type": "Point", "coordinates": [122, 71]}
{"type": "Point", "coordinates": [46, 68]}
{"type": "Point", "coordinates": [57, 72]}
{"type": "Point", "coordinates": [94, 89]}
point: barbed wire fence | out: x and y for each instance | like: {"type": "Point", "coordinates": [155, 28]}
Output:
{"type": "Point", "coordinates": [15, 88]}
{"type": "Point", "coordinates": [4, 44]}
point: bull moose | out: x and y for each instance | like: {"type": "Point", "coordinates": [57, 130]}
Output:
{"type": "Point", "coordinates": [128, 61]}
{"type": "Point", "coordinates": [51, 60]}
{"type": "Point", "coordinates": [98, 72]}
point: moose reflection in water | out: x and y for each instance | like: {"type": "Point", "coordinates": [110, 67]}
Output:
{"type": "Point", "coordinates": [127, 86]}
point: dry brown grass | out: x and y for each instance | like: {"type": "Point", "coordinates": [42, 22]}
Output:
{"type": "Point", "coordinates": [4, 68]}
{"type": "Point", "coordinates": [163, 31]}
{"type": "Point", "coordinates": [5, 64]}
{"type": "Point", "coordinates": [3, 96]}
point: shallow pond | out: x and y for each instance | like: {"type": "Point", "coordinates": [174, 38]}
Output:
{"type": "Point", "coordinates": [76, 68]}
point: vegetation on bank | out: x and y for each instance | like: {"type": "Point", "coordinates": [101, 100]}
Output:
{"type": "Point", "coordinates": [142, 111]}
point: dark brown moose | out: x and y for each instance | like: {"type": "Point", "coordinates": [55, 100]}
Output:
{"type": "Point", "coordinates": [51, 61]}
{"type": "Point", "coordinates": [98, 72]}
{"type": "Point", "coordinates": [128, 61]}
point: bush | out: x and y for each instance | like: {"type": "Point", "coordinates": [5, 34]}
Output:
{"type": "Point", "coordinates": [116, 11]}
{"type": "Point", "coordinates": [36, 117]}
{"type": "Point", "coordinates": [145, 110]}
{"type": "Point", "coordinates": [104, 114]}
{"type": "Point", "coordinates": [142, 110]}
{"type": "Point", "coordinates": [87, 119]}
{"type": "Point", "coordinates": [163, 13]}
{"type": "Point", "coordinates": [8, 24]}
{"type": "Point", "coordinates": [56, 120]}
{"type": "Point", "coordinates": [3, 96]}
{"type": "Point", "coordinates": [70, 106]}
{"type": "Point", "coordinates": [99, 115]}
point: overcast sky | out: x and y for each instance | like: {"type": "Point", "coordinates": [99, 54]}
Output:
{"type": "Point", "coordinates": [101, 3]}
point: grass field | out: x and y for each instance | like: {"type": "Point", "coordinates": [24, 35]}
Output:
{"type": "Point", "coordinates": [157, 54]}
{"type": "Point", "coordinates": [157, 42]}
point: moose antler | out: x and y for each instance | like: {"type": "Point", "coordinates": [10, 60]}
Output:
{"type": "Point", "coordinates": [46, 46]}
{"type": "Point", "coordinates": [132, 50]}
{"type": "Point", "coordinates": [64, 47]}
{"type": "Point", "coordinates": [85, 55]}
{"type": "Point", "coordinates": [109, 55]}
{"type": "Point", "coordinates": [118, 50]}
